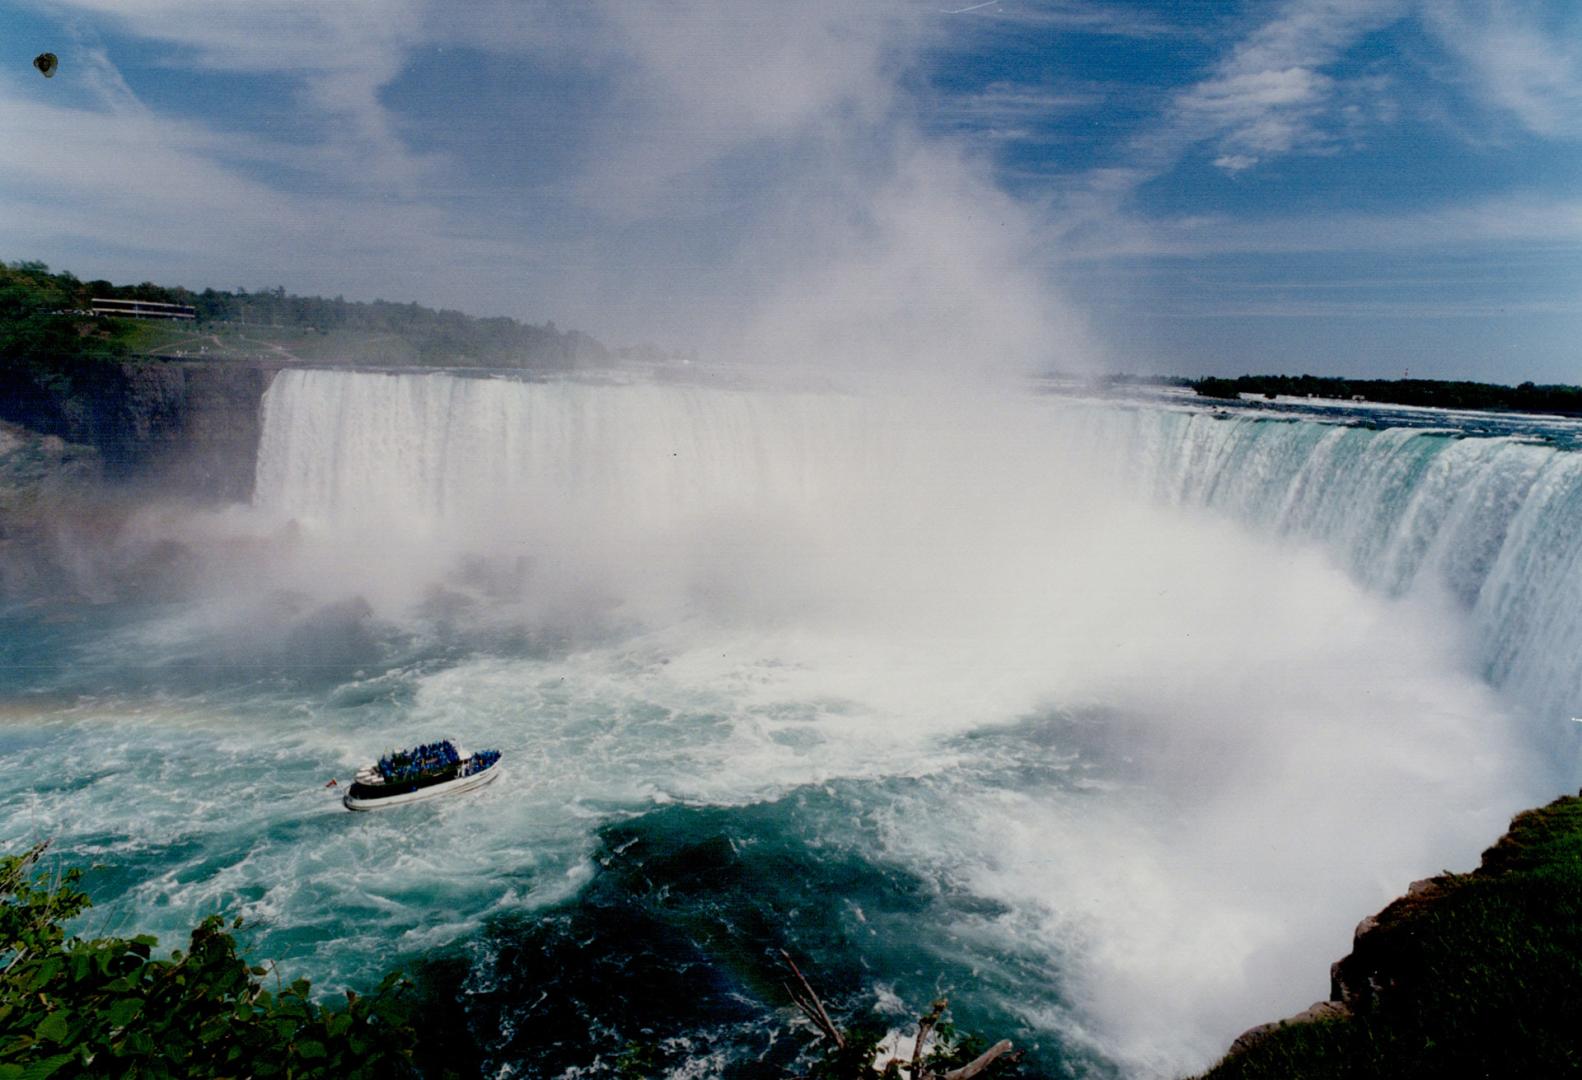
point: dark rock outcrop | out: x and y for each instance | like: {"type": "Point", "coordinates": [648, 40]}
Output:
{"type": "Point", "coordinates": [1358, 978]}
{"type": "Point", "coordinates": [1319, 1010]}
{"type": "Point", "coordinates": [1353, 980]}
{"type": "Point", "coordinates": [189, 428]}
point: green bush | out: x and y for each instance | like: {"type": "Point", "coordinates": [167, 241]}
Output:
{"type": "Point", "coordinates": [108, 1007]}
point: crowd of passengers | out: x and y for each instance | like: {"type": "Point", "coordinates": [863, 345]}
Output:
{"type": "Point", "coordinates": [410, 764]}
{"type": "Point", "coordinates": [431, 757]}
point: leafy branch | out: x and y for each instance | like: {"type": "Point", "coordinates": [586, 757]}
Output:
{"type": "Point", "coordinates": [108, 1006]}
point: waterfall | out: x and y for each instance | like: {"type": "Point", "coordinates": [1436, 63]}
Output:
{"type": "Point", "coordinates": [1493, 523]}
{"type": "Point", "coordinates": [435, 449]}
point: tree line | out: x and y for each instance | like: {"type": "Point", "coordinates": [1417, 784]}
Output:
{"type": "Point", "coordinates": [30, 291]}
{"type": "Point", "coordinates": [1434, 393]}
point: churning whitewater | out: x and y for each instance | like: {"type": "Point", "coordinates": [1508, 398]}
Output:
{"type": "Point", "coordinates": [1496, 523]}
{"type": "Point", "coordinates": [1111, 719]}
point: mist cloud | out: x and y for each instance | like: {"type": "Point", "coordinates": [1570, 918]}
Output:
{"type": "Point", "coordinates": [754, 181]}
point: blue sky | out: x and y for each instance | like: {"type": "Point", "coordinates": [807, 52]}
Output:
{"type": "Point", "coordinates": [1335, 186]}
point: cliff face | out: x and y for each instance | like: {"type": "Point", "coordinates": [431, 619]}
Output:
{"type": "Point", "coordinates": [1475, 974]}
{"type": "Point", "coordinates": [189, 428]}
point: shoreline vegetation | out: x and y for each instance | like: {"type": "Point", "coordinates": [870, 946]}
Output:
{"type": "Point", "coordinates": [47, 316]}
{"type": "Point", "coordinates": [1556, 399]}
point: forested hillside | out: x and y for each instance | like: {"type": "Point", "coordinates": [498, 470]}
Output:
{"type": "Point", "coordinates": [44, 312]}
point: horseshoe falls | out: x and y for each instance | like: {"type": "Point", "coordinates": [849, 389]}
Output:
{"type": "Point", "coordinates": [1108, 719]}
{"type": "Point", "coordinates": [1492, 524]}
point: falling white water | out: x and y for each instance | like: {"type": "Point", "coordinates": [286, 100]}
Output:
{"type": "Point", "coordinates": [1494, 523]}
{"type": "Point", "coordinates": [558, 469]}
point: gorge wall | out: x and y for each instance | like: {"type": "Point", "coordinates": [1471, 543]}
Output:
{"type": "Point", "coordinates": [189, 428]}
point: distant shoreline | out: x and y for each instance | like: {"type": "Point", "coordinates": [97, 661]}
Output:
{"type": "Point", "coordinates": [1554, 399]}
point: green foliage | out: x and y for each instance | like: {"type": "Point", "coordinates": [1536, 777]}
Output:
{"type": "Point", "coordinates": [40, 316]}
{"type": "Point", "coordinates": [1435, 393]}
{"type": "Point", "coordinates": [1226, 389]}
{"type": "Point", "coordinates": [39, 322]}
{"type": "Point", "coordinates": [409, 333]}
{"type": "Point", "coordinates": [108, 1007]}
{"type": "Point", "coordinates": [1480, 976]}
{"type": "Point", "coordinates": [55, 358]}
{"type": "Point", "coordinates": [953, 1049]}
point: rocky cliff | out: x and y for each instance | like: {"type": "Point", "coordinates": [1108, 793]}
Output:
{"type": "Point", "coordinates": [190, 428]}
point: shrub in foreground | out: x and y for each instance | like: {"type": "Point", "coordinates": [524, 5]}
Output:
{"type": "Point", "coordinates": [107, 1007]}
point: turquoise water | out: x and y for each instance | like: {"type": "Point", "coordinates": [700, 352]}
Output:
{"type": "Point", "coordinates": [1017, 700]}
{"type": "Point", "coordinates": [607, 868]}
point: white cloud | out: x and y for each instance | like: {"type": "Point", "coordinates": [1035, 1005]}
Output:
{"type": "Point", "coordinates": [104, 80]}
{"type": "Point", "coordinates": [1007, 102]}
{"type": "Point", "coordinates": [1281, 91]}
{"type": "Point", "coordinates": [1081, 16]}
{"type": "Point", "coordinates": [1518, 60]}
{"type": "Point", "coordinates": [1511, 221]}
{"type": "Point", "coordinates": [1270, 112]}
{"type": "Point", "coordinates": [337, 56]}
{"type": "Point", "coordinates": [695, 82]}
{"type": "Point", "coordinates": [717, 160]}
{"type": "Point", "coordinates": [1269, 96]}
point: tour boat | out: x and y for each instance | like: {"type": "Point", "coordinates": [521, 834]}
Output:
{"type": "Point", "coordinates": [422, 772]}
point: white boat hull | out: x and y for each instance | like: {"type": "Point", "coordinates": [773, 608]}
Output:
{"type": "Point", "coordinates": [449, 787]}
